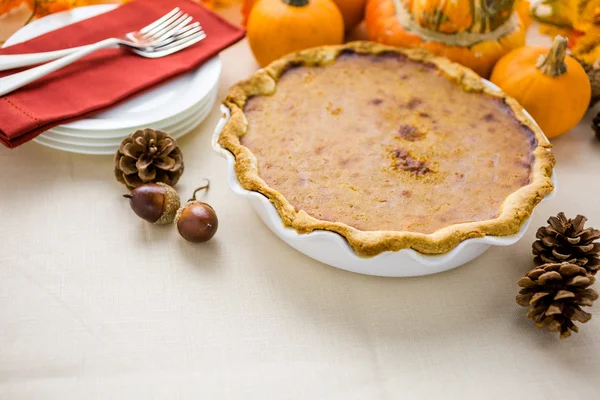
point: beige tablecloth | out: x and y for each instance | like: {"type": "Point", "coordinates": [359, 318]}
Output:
{"type": "Point", "coordinates": [97, 304]}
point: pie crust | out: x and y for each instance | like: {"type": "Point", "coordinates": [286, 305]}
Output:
{"type": "Point", "coordinates": [517, 207]}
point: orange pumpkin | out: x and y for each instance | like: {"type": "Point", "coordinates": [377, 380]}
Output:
{"type": "Point", "coordinates": [359, 32]}
{"type": "Point", "coordinates": [279, 27]}
{"type": "Point", "coordinates": [551, 85]}
{"type": "Point", "coordinates": [246, 8]}
{"type": "Point", "coordinates": [7, 5]}
{"type": "Point", "coordinates": [352, 11]}
{"type": "Point", "coordinates": [469, 32]}
{"type": "Point", "coordinates": [45, 7]}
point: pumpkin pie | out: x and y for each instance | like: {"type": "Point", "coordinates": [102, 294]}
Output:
{"type": "Point", "coordinates": [389, 148]}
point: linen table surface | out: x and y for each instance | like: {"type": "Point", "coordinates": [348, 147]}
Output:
{"type": "Point", "coordinates": [97, 304]}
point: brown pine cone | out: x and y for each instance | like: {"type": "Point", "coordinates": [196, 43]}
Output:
{"type": "Point", "coordinates": [566, 240]}
{"type": "Point", "coordinates": [554, 294]}
{"type": "Point", "coordinates": [596, 125]}
{"type": "Point", "coordinates": [593, 73]}
{"type": "Point", "coordinates": [148, 156]}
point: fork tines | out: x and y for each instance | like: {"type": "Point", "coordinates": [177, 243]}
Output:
{"type": "Point", "coordinates": [166, 26]}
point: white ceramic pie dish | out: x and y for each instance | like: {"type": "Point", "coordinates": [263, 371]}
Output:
{"type": "Point", "coordinates": [333, 249]}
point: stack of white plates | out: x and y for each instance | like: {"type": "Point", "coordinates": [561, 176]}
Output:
{"type": "Point", "coordinates": [176, 107]}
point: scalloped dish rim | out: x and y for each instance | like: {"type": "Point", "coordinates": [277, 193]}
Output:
{"type": "Point", "coordinates": [289, 233]}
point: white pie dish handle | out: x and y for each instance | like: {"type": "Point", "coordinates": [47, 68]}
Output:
{"type": "Point", "coordinates": [332, 249]}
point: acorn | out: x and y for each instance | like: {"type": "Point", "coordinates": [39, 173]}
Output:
{"type": "Point", "coordinates": [154, 202]}
{"type": "Point", "coordinates": [197, 221]}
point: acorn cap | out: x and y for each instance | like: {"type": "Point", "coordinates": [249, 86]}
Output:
{"type": "Point", "coordinates": [171, 205]}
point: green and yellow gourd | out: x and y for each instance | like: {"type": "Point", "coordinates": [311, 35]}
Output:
{"type": "Point", "coordinates": [475, 33]}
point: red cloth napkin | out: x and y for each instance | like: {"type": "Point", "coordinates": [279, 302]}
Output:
{"type": "Point", "coordinates": [107, 77]}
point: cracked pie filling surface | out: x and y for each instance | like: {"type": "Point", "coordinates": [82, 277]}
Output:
{"type": "Point", "coordinates": [391, 149]}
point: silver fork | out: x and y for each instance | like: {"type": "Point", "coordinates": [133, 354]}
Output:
{"type": "Point", "coordinates": [168, 35]}
{"type": "Point", "coordinates": [10, 61]}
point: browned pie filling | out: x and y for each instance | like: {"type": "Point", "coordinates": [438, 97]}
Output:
{"type": "Point", "coordinates": [387, 143]}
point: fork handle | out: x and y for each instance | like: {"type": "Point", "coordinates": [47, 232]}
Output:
{"type": "Point", "coordinates": [10, 61]}
{"type": "Point", "coordinates": [15, 81]}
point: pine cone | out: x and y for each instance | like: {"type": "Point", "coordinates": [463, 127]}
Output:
{"type": "Point", "coordinates": [554, 294]}
{"type": "Point", "coordinates": [148, 156]}
{"type": "Point", "coordinates": [566, 240]}
{"type": "Point", "coordinates": [593, 73]}
{"type": "Point", "coordinates": [596, 125]}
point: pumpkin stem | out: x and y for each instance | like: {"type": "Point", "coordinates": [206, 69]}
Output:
{"type": "Point", "coordinates": [296, 3]}
{"type": "Point", "coordinates": [553, 63]}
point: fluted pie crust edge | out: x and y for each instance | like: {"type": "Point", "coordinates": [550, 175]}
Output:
{"type": "Point", "coordinates": [515, 210]}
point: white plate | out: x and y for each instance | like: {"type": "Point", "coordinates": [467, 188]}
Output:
{"type": "Point", "coordinates": [332, 249]}
{"type": "Point", "coordinates": [172, 129]}
{"type": "Point", "coordinates": [100, 143]}
{"type": "Point", "coordinates": [186, 127]}
{"type": "Point", "coordinates": [160, 104]}
{"type": "Point", "coordinates": [96, 137]}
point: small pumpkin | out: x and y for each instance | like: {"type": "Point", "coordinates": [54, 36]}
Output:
{"type": "Point", "coordinates": [7, 5]}
{"type": "Point", "coordinates": [42, 8]}
{"type": "Point", "coordinates": [359, 32]}
{"type": "Point", "coordinates": [278, 27]}
{"type": "Point", "coordinates": [352, 11]}
{"type": "Point", "coordinates": [246, 8]}
{"type": "Point", "coordinates": [552, 86]}
{"type": "Point", "coordinates": [475, 33]}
